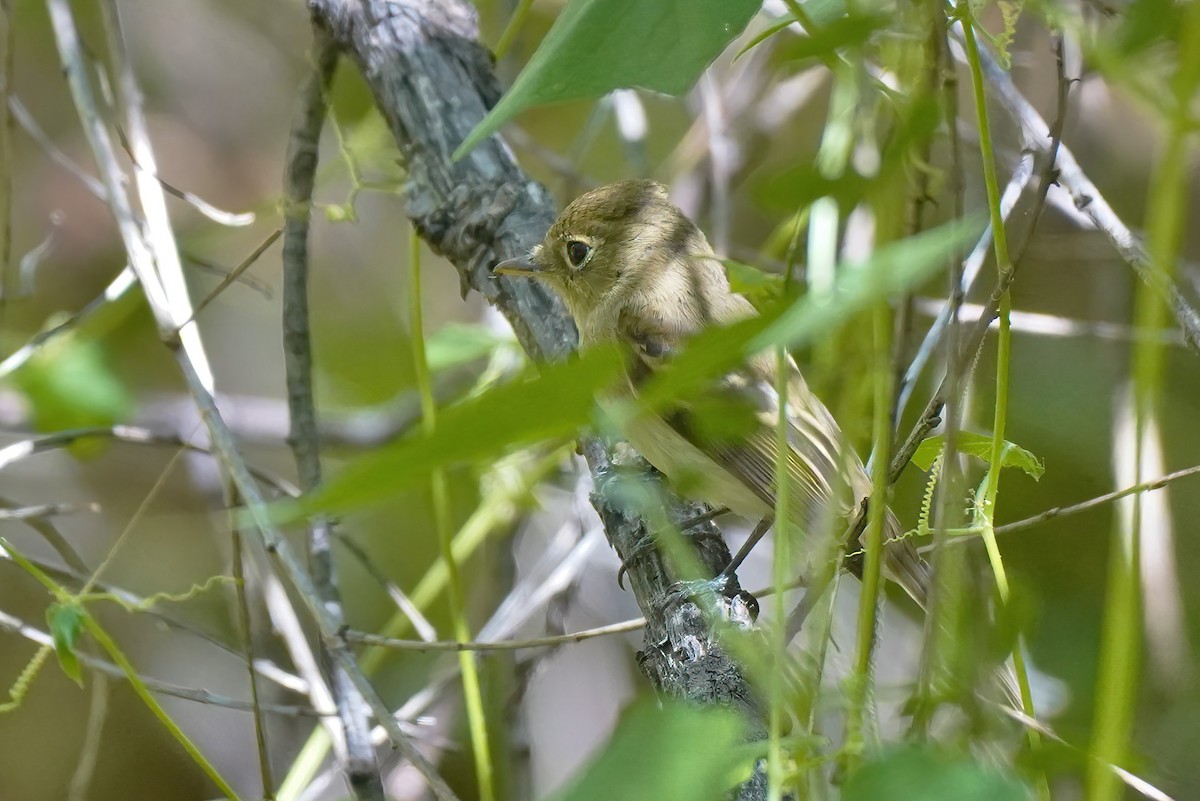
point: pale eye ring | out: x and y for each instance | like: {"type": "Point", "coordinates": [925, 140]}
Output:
{"type": "Point", "coordinates": [578, 253]}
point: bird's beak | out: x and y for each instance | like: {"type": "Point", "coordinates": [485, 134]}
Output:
{"type": "Point", "coordinates": [521, 265]}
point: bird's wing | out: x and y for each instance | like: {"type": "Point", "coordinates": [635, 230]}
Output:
{"type": "Point", "coordinates": [747, 447]}
{"type": "Point", "coordinates": [825, 475]}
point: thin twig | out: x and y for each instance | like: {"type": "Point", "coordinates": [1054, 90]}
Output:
{"type": "Point", "coordinates": [116, 289]}
{"type": "Point", "coordinates": [235, 273]}
{"type": "Point", "coordinates": [1099, 500]}
{"type": "Point", "coordinates": [421, 625]}
{"type": "Point", "coordinates": [247, 632]}
{"type": "Point", "coordinates": [13, 625]}
{"type": "Point", "coordinates": [35, 132]}
{"type": "Point", "coordinates": [507, 645]}
{"type": "Point", "coordinates": [358, 761]}
{"type": "Point", "coordinates": [1087, 197]}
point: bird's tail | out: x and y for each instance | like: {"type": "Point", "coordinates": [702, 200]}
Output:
{"type": "Point", "coordinates": [903, 565]}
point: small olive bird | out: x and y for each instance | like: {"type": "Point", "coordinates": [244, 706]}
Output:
{"type": "Point", "coordinates": [632, 268]}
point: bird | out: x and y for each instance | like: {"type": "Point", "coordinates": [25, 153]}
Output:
{"type": "Point", "coordinates": [634, 270]}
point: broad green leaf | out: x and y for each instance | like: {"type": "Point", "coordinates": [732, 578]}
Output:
{"type": "Point", "coordinates": [921, 772]}
{"type": "Point", "coordinates": [65, 622]}
{"type": "Point", "coordinates": [455, 344]}
{"type": "Point", "coordinates": [893, 269]}
{"type": "Point", "coordinates": [69, 384]}
{"type": "Point", "coordinates": [596, 46]}
{"type": "Point", "coordinates": [676, 753]}
{"type": "Point", "coordinates": [556, 403]}
{"type": "Point", "coordinates": [979, 445]}
{"type": "Point", "coordinates": [748, 280]}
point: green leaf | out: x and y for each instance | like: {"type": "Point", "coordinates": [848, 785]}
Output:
{"type": "Point", "coordinates": [828, 39]}
{"type": "Point", "coordinates": [979, 445]}
{"type": "Point", "coordinates": [750, 281]}
{"type": "Point", "coordinates": [455, 344]}
{"type": "Point", "coordinates": [772, 29]}
{"type": "Point", "coordinates": [930, 775]}
{"type": "Point", "coordinates": [822, 12]}
{"type": "Point", "coordinates": [69, 384]}
{"type": "Point", "coordinates": [676, 753]}
{"type": "Point", "coordinates": [65, 622]}
{"type": "Point", "coordinates": [556, 403]}
{"type": "Point", "coordinates": [596, 46]}
{"type": "Point", "coordinates": [893, 269]}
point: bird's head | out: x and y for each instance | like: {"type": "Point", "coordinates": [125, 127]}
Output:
{"type": "Point", "coordinates": [616, 242]}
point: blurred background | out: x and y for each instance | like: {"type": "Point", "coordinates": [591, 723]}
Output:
{"type": "Point", "coordinates": [220, 80]}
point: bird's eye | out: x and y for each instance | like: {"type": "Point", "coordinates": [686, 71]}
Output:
{"type": "Point", "coordinates": [578, 252]}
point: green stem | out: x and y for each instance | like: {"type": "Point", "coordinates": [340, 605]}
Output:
{"type": "Point", "coordinates": [1003, 357]}
{"type": "Point", "coordinates": [473, 695]}
{"type": "Point", "coordinates": [1121, 637]}
{"type": "Point", "coordinates": [873, 544]}
{"type": "Point", "coordinates": [64, 597]}
{"type": "Point", "coordinates": [512, 29]}
{"type": "Point", "coordinates": [782, 573]}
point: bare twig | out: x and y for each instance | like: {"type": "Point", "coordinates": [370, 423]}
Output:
{"type": "Point", "coordinates": [35, 132]}
{"type": "Point", "coordinates": [1086, 196]}
{"type": "Point", "coordinates": [247, 632]}
{"type": "Point", "coordinates": [42, 511]}
{"type": "Point", "coordinates": [358, 760]}
{"type": "Point", "coordinates": [1100, 500]}
{"type": "Point", "coordinates": [236, 272]}
{"type": "Point", "coordinates": [420, 623]}
{"type": "Point", "coordinates": [116, 288]}
{"type": "Point", "coordinates": [508, 645]}
{"type": "Point", "coordinates": [14, 625]}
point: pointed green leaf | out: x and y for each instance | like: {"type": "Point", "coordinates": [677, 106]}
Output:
{"type": "Point", "coordinates": [676, 753]}
{"type": "Point", "coordinates": [980, 446]}
{"type": "Point", "coordinates": [555, 403]}
{"type": "Point", "coordinates": [898, 267]}
{"type": "Point", "coordinates": [65, 622]}
{"type": "Point", "coordinates": [596, 46]}
{"type": "Point", "coordinates": [893, 269]}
